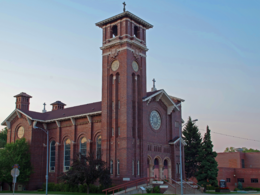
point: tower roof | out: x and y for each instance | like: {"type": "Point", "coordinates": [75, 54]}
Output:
{"type": "Point", "coordinates": [22, 94]}
{"type": "Point", "coordinates": [123, 15]}
{"type": "Point", "coordinates": [59, 103]}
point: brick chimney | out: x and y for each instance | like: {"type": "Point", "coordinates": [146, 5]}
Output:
{"type": "Point", "coordinates": [22, 101]}
{"type": "Point", "coordinates": [58, 105]}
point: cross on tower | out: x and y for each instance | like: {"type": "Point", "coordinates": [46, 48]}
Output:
{"type": "Point", "coordinates": [124, 6]}
{"type": "Point", "coordinates": [154, 89]}
{"type": "Point", "coordinates": [44, 108]}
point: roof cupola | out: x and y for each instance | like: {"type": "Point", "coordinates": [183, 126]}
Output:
{"type": "Point", "coordinates": [22, 101]}
{"type": "Point", "coordinates": [58, 105]}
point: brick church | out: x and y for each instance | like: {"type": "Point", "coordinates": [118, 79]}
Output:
{"type": "Point", "coordinates": [135, 130]}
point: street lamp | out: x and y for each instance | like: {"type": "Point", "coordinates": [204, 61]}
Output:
{"type": "Point", "coordinates": [47, 171]}
{"type": "Point", "coordinates": [180, 133]}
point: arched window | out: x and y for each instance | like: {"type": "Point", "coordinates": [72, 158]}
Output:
{"type": "Point", "coordinates": [165, 163]}
{"type": "Point", "coordinates": [133, 167]}
{"type": "Point", "coordinates": [118, 167]}
{"type": "Point", "coordinates": [114, 31]}
{"type": "Point", "coordinates": [83, 146]}
{"type": "Point", "coordinates": [52, 156]}
{"type": "Point", "coordinates": [138, 168]}
{"type": "Point", "coordinates": [111, 166]}
{"type": "Point", "coordinates": [136, 31]}
{"type": "Point", "coordinates": [66, 154]}
{"type": "Point", "coordinates": [98, 147]}
{"type": "Point", "coordinates": [156, 162]}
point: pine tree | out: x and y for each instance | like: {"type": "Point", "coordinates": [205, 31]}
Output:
{"type": "Point", "coordinates": [208, 167]}
{"type": "Point", "coordinates": [192, 137]}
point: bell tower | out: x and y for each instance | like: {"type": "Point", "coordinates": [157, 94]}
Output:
{"type": "Point", "coordinates": [123, 87]}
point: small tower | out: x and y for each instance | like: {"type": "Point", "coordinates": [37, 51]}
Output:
{"type": "Point", "coordinates": [22, 101]}
{"type": "Point", "coordinates": [58, 105]}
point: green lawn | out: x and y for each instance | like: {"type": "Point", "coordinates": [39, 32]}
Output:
{"type": "Point", "coordinates": [222, 193]}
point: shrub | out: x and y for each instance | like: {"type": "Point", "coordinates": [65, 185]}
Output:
{"type": "Point", "coordinates": [57, 187]}
{"type": "Point", "coordinates": [240, 186]}
{"type": "Point", "coordinates": [210, 187]}
{"type": "Point", "coordinates": [236, 189]}
{"type": "Point", "coordinates": [149, 190]}
{"type": "Point", "coordinates": [82, 189]}
{"type": "Point", "coordinates": [248, 188]}
{"type": "Point", "coordinates": [156, 189]}
{"type": "Point", "coordinates": [257, 189]}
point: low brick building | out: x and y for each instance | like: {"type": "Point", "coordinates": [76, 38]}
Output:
{"type": "Point", "coordinates": [241, 167]}
{"type": "Point", "coordinates": [134, 130]}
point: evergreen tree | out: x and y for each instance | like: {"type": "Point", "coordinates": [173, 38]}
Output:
{"type": "Point", "coordinates": [192, 137]}
{"type": "Point", "coordinates": [208, 166]}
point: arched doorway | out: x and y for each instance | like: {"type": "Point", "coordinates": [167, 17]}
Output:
{"type": "Point", "coordinates": [165, 170]}
{"type": "Point", "coordinates": [156, 168]}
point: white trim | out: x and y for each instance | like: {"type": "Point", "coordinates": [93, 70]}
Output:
{"type": "Point", "coordinates": [29, 121]}
{"type": "Point", "coordinates": [8, 123]}
{"type": "Point", "coordinates": [89, 118]}
{"type": "Point", "coordinates": [58, 123]}
{"type": "Point", "coordinates": [18, 114]}
{"type": "Point", "coordinates": [45, 121]}
{"type": "Point", "coordinates": [44, 126]}
{"type": "Point", "coordinates": [34, 124]}
{"type": "Point", "coordinates": [182, 141]}
{"type": "Point", "coordinates": [8, 118]}
{"type": "Point", "coordinates": [123, 48]}
{"type": "Point", "coordinates": [119, 42]}
{"type": "Point", "coordinates": [73, 121]}
{"type": "Point", "coordinates": [159, 95]}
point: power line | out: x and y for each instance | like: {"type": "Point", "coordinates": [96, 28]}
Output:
{"type": "Point", "coordinates": [232, 136]}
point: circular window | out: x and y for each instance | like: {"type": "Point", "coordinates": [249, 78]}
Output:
{"type": "Point", "coordinates": [155, 120]}
{"type": "Point", "coordinates": [115, 65]}
{"type": "Point", "coordinates": [20, 132]}
{"type": "Point", "coordinates": [135, 66]}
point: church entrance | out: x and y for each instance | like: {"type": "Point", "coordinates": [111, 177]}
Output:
{"type": "Point", "coordinates": [156, 169]}
{"type": "Point", "coordinates": [165, 170]}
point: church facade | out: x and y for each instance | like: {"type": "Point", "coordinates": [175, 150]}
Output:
{"type": "Point", "coordinates": [135, 131]}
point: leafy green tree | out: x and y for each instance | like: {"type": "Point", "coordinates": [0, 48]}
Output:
{"type": "Point", "coordinates": [3, 138]}
{"type": "Point", "coordinates": [15, 153]}
{"type": "Point", "coordinates": [230, 149]}
{"type": "Point", "coordinates": [244, 149]}
{"type": "Point", "coordinates": [87, 170]}
{"type": "Point", "coordinates": [192, 137]}
{"type": "Point", "coordinates": [250, 150]}
{"type": "Point", "coordinates": [208, 167]}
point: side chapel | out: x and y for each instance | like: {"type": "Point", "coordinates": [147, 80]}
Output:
{"type": "Point", "coordinates": [134, 130]}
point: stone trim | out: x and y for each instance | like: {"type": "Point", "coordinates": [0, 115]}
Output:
{"type": "Point", "coordinates": [123, 48]}
{"type": "Point", "coordinates": [119, 42]}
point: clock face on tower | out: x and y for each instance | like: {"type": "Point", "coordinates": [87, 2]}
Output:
{"type": "Point", "coordinates": [155, 120]}
{"type": "Point", "coordinates": [115, 65]}
{"type": "Point", "coordinates": [135, 66]}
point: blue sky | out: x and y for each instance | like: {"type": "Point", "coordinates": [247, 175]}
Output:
{"type": "Point", "coordinates": [206, 52]}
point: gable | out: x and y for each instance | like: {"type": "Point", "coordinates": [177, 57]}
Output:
{"type": "Point", "coordinates": [164, 97]}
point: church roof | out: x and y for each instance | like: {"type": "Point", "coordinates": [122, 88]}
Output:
{"type": "Point", "coordinates": [76, 111]}
{"type": "Point", "coordinates": [22, 94]}
{"type": "Point", "coordinates": [122, 15]}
